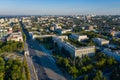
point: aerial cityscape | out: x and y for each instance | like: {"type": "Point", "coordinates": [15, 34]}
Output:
{"type": "Point", "coordinates": [59, 39]}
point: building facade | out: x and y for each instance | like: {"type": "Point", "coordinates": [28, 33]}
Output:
{"type": "Point", "coordinates": [100, 41]}
{"type": "Point", "coordinates": [78, 37]}
{"type": "Point", "coordinates": [74, 51]}
{"type": "Point", "coordinates": [16, 36]}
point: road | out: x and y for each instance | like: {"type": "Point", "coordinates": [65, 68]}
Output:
{"type": "Point", "coordinates": [44, 64]}
{"type": "Point", "coordinates": [37, 64]}
{"type": "Point", "coordinates": [33, 75]}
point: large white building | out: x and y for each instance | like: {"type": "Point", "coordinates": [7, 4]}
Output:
{"type": "Point", "coordinates": [78, 37]}
{"type": "Point", "coordinates": [74, 51]}
{"type": "Point", "coordinates": [63, 31]}
{"type": "Point", "coordinates": [16, 36]}
{"type": "Point", "coordinates": [101, 41]}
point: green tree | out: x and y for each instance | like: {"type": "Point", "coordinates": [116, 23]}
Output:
{"type": "Point", "coordinates": [84, 70]}
{"type": "Point", "coordinates": [73, 71]}
{"type": "Point", "coordinates": [86, 77]}
{"type": "Point", "coordinates": [2, 70]}
{"type": "Point", "coordinates": [98, 75]}
{"type": "Point", "coordinates": [66, 62]}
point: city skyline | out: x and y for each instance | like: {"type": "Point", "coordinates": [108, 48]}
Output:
{"type": "Point", "coordinates": [59, 7]}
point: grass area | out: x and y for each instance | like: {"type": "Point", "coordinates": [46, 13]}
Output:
{"type": "Point", "coordinates": [79, 44]}
{"type": "Point", "coordinates": [48, 45]}
{"type": "Point", "coordinates": [47, 42]}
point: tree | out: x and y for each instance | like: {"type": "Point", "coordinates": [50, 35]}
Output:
{"type": "Point", "coordinates": [110, 61]}
{"type": "Point", "coordinates": [2, 70]}
{"type": "Point", "coordinates": [86, 77]}
{"type": "Point", "coordinates": [86, 60]}
{"type": "Point", "coordinates": [73, 71]}
{"type": "Point", "coordinates": [60, 61]}
{"type": "Point", "coordinates": [98, 75]}
{"type": "Point", "coordinates": [13, 70]}
{"type": "Point", "coordinates": [89, 67]}
{"type": "Point", "coordinates": [66, 62]}
{"type": "Point", "coordinates": [78, 62]}
{"type": "Point", "coordinates": [84, 70]}
{"type": "Point", "coordinates": [101, 64]}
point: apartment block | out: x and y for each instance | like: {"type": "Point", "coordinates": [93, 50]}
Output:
{"type": "Point", "coordinates": [15, 36]}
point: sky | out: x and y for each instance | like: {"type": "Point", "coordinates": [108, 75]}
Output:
{"type": "Point", "coordinates": [59, 7]}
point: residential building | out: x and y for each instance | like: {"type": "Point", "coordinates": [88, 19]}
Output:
{"type": "Point", "coordinates": [101, 41]}
{"type": "Point", "coordinates": [63, 31]}
{"type": "Point", "coordinates": [15, 36]}
{"type": "Point", "coordinates": [117, 34]}
{"type": "Point", "coordinates": [52, 28]}
{"type": "Point", "coordinates": [112, 33]}
{"type": "Point", "coordinates": [78, 37]}
{"type": "Point", "coordinates": [3, 33]}
{"type": "Point", "coordinates": [56, 26]}
{"type": "Point", "coordinates": [114, 54]}
{"type": "Point", "coordinates": [89, 28]}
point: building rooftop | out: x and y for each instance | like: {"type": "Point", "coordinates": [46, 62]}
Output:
{"type": "Point", "coordinates": [73, 46]}
{"type": "Point", "coordinates": [100, 39]}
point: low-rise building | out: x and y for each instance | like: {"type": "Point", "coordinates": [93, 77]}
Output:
{"type": "Point", "coordinates": [16, 36]}
{"type": "Point", "coordinates": [112, 33]}
{"type": "Point", "coordinates": [56, 26]}
{"type": "Point", "coordinates": [63, 31]}
{"type": "Point", "coordinates": [101, 41]}
{"type": "Point", "coordinates": [52, 28]}
{"type": "Point", "coordinates": [4, 31]}
{"type": "Point", "coordinates": [89, 28]}
{"type": "Point", "coordinates": [117, 34]}
{"type": "Point", "coordinates": [114, 54]}
{"type": "Point", "coordinates": [78, 37]}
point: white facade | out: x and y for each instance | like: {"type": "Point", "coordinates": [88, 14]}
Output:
{"type": "Point", "coordinates": [85, 51]}
{"type": "Point", "coordinates": [101, 41]}
{"type": "Point", "coordinates": [78, 37]}
{"type": "Point", "coordinates": [73, 50]}
{"type": "Point", "coordinates": [16, 36]}
{"type": "Point", "coordinates": [65, 31]}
